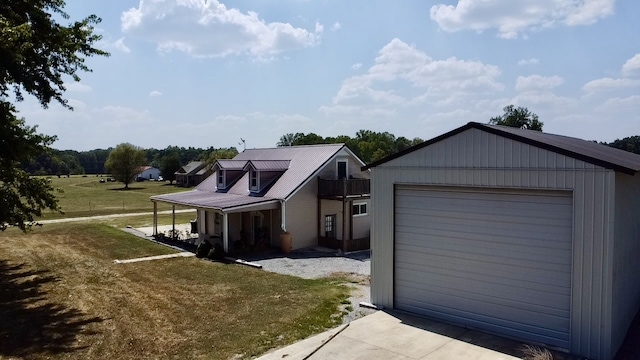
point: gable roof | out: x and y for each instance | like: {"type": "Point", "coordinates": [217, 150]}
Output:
{"type": "Point", "coordinates": [299, 163]}
{"type": "Point", "coordinates": [190, 168]}
{"type": "Point", "coordinates": [588, 151]}
{"type": "Point", "coordinates": [224, 164]}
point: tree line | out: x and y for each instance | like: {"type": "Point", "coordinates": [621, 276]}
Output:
{"type": "Point", "coordinates": [72, 162]}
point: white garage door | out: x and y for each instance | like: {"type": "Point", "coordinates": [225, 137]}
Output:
{"type": "Point", "coordinates": [495, 260]}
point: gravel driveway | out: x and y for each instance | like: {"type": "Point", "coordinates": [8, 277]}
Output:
{"type": "Point", "coordinates": [312, 266]}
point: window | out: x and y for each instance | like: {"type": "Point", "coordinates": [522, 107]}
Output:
{"type": "Point", "coordinates": [359, 209]}
{"type": "Point", "coordinates": [221, 179]}
{"type": "Point", "coordinates": [253, 180]}
{"type": "Point", "coordinates": [342, 169]}
{"type": "Point", "coordinates": [330, 226]}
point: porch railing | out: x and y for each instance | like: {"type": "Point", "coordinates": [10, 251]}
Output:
{"type": "Point", "coordinates": [344, 187]}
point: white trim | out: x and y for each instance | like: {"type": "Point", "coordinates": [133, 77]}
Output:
{"type": "Point", "coordinates": [257, 187]}
{"type": "Point", "coordinates": [346, 167]}
{"type": "Point", "coordinates": [223, 184]}
{"type": "Point", "coordinates": [359, 204]}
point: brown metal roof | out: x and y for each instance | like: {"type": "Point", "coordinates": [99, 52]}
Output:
{"type": "Point", "coordinates": [190, 168]}
{"type": "Point", "coordinates": [268, 165]}
{"type": "Point", "coordinates": [211, 200]}
{"type": "Point", "coordinates": [588, 151]}
{"type": "Point", "coordinates": [304, 162]}
{"type": "Point", "coordinates": [230, 164]}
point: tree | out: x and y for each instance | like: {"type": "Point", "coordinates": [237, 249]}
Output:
{"type": "Point", "coordinates": [37, 54]}
{"type": "Point", "coordinates": [169, 165]}
{"type": "Point", "coordinates": [631, 144]}
{"type": "Point", "coordinates": [124, 163]}
{"type": "Point", "coordinates": [222, 153]}
{"type": "Point", "coordinates": [519, 117]}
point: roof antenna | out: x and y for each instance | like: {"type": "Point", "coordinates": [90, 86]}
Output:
{"type": "Point", "coordinates": [243, 143]}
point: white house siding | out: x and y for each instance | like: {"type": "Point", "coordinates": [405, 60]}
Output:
{"type": "Point", "coordinates": [361, 224]}
{"type": "Point", "coordinates": [331, 207]}
{"type": "Point", "coordinates": [475, 158]}
{"type": "Point", "coordinates": [302, 215]}
{"type": "Point", "coordinates": [626, 249]}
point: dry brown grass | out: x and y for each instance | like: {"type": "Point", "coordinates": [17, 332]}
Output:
{"type": "Point", "coordinates": [61, 297]}
{"type": "Point", "coordinates": [536, 353]}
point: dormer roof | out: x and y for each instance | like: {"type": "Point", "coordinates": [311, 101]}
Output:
{"type": "Point", "coordinates": [229, 164]}
{"type": "Point", "coordinates": [267, 165]}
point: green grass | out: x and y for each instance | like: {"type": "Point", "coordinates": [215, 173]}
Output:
{"type": "Point", "coordinates": [86, 196]}
{"type": "Point", "coordinates": [63, 297]}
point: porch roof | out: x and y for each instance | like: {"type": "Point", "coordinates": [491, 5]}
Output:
{"type": "Point", "coordinates": [213, 200]}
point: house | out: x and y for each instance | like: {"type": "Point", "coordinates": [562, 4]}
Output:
{"type": "Point", "coordinates": [148, 173]}
{"type": "Point", "coordinates": [520, 233]}
{"type": "Point", "coordinates": [318, 195]}
{"type": "Point", "coordinates": [186, 175]}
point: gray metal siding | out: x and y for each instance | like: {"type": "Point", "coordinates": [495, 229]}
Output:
{"type": "Point", "coordinates": [626, 268]}
{"type": "Point", "coordinates": [476, 158]}
{"type": "Point", "coordinates": [499, 260]}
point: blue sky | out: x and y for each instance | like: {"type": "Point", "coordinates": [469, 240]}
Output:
{"type": "Point", "coordinates": [206, 73]}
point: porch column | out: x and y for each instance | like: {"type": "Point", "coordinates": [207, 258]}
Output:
{"type": "Point", "coordinates": [155, 218]}
{"type": "Point", "coordinates": [225, 232]}
{"type": "Point", "coordinates": [173, 221]}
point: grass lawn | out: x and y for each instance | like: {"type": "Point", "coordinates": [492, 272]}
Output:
{"type": "Point", "coordinates": [86, 196]}
{"type": "Point", "coordinates": [61, 297]}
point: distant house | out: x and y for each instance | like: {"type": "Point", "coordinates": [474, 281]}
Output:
{"type": "Point", "coordinates": [148, 173]}
{"type": "Point", "coordinates": [186, 175]}
{"type": "Point", "coordinates": [316, 194]}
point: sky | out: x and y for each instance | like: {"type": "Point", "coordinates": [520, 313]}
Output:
{"type": "Point", "coordinates": [208, 73]}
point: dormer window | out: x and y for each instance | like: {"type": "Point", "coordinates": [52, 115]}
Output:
{"type": "Point", "coordinates": [221, 179]}
{"type": "Point", "coordinates": [254, 183]}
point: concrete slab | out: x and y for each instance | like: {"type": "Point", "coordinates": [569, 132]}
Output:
{"type": "Point", "coordinates": [390, 335]}
{"type": "Point", "coordinates": [156, 257]}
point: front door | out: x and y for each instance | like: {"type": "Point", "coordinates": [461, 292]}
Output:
{"type": "Point", "coordinates": [330, 226]}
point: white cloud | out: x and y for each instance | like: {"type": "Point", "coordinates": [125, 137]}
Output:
{"type": "Point", "coordinates": [537, 83]}
{"type": "Point", "coordinates": [532, 61]}
{"type": "Point", "coordinates": [356, 66]}
{"type": "Point", "coordinates": [398, 61]}
{"type": "Point", "coordinates": [77, 87]}
{"type": "Point", "coordinates": [123, 116]}
{"type": "Point", "coordinates": [210, 29]}
{"type": "Point", "coordinates": [632, 66]}
{"type": "Point", "coordinates": [155, 93]}
{"type": "Point", "coordinates": [336, 26]}
{"type": "Point", "coordinates": [512, 18]}
{"type": "Point", "coordinates": [119, 44]}
{"type": "Point", "coordinates": [608, 84]}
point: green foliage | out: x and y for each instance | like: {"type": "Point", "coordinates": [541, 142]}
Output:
{"type": "Point", "coordinates": [519, 117]}
{"type": "Point", "coordinates": [124, 163]}
{"type": "Point", "coordinates": [368, 145]}
{"type": "Point", "coordinates": [36, 53]}
{"type": "Point", "coordinates": [169, 165]}
{"type": "Point", "coordinates": [22, 197]}
{"type": "Point", "coordinates": [631, 144]}
{"type": "Point", "coordinates": [229, 153]}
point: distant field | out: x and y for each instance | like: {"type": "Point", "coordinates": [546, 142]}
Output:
{"type": "Point", "coordinates": [86, 196]}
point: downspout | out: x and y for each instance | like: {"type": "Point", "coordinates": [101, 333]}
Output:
{"type": "Point", "coordinates": [283, 216]}
{"type": "Point", "coordinates": [155, 219]}
{"type": "Point", "coordinates": [225, 232]}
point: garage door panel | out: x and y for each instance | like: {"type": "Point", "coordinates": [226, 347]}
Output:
{"type": "Point", "coordinates": [506, 226]}
{"type": "Point", "coordinates": [475, 287]}
{"type": "Point", "coordinates": [464, 254]}
{"type": "Point", "coordinates": [545, 281]}
{"type": "Point", "coordinates": [495, 309]}
{"type": "Point", "coordinates": [480, 212]}
{"type": "Point", "coordinates": [498, 246]}
{"type": "Point", "coordinates": [499, 260]}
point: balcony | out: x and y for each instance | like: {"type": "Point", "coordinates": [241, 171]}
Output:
{"type": "Point", "coordinates": [343, 188]}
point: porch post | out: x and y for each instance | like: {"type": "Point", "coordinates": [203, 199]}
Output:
{"type": "Point", "coordinates": [225, 232]}
{"type": "Point", "coordinates": [173, 221]}
{"type": "Point", "coordinates": [155, 218]}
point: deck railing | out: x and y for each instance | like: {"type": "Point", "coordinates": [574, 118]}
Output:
{"type": "Point", "coordinates": [344, 187]}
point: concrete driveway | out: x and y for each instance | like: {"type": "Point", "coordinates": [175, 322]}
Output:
{"type": "Point", "coordinates": [390, 335]}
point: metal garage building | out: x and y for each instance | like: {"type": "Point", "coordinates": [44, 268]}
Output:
{"type": "Point", "coordinates": [520, 233]}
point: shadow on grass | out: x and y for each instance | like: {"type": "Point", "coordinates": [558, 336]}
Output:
{"type": "Point", "coordinates": [30, 324]}
{"type": "Point", "coordinates": [127, 189]}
